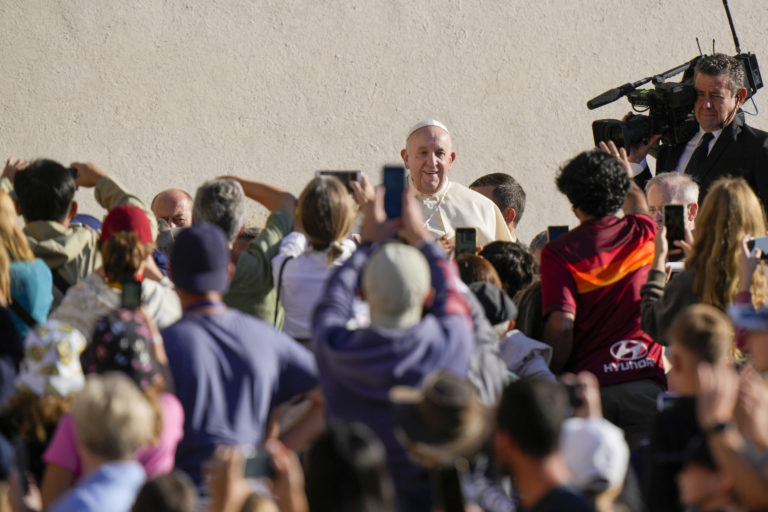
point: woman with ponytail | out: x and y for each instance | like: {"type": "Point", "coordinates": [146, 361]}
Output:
{"type": "Point", "coordinates": [307, 256]}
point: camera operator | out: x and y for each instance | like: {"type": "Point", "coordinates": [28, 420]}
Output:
{"type": "Point", "coordinates": [724, 144]}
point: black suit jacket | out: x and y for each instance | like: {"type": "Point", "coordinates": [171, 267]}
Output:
{"type": "Point", "coordinates": [739, 151]}
{"type": "Point", "coordinates": [641, 179]}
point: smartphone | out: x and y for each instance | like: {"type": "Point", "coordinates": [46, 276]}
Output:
{"type": "Point", "coordinates": [21, 461]}
{"type": "Point", "coordinates": [343, 176]}
{"type": "Point", "coordinates": [446, 489]}
{"type": "Point", "coordinates": [394, 183]}
{"type": "Point", "coordinates": [759, 243]}
{"type": "Point", "coordinates": [131, 297]}
{"type": "Point", "coordinates": [666, 400]}
{"type": "Point", "coordinates": [259, 465]}
{"type": "Point", "coordinates": [574, 392]}
{"type": "Point", "coordinates": [466, 241]}
{"type": "Point", "coordinates": [555, 231]}
{"type": "Point", "coordinates": [673, 267]}
{"type": "Point", "coordinates": [674, 221]}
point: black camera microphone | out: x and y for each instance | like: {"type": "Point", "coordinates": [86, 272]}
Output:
{"type": "Point", "coordinates": [609, 96]}
{"type": "Point", "coordinates": [606, 98]}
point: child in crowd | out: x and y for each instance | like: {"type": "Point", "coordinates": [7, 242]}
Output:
{"type": "Point", "coordinates": [700, 333]}
{"type": "Point", "coordinates": [171, 492]}
{"type": "Point", "coordinates": [123, 342]}
{"type": "Point", "coordinates": [50, 377]}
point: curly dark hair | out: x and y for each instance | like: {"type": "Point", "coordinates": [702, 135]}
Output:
{"type": "Point", "coordinates": [720, 64]}
{"type": "Point", "coordinates": [516, 265]}
{"type": "Point", "coordinates": [595, 183]}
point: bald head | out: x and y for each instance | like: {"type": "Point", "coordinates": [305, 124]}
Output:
{"type": "Point", "coordinates": [173, 206]}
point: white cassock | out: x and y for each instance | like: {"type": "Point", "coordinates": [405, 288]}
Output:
{"type": "Point", "coordinates": [456, 206]}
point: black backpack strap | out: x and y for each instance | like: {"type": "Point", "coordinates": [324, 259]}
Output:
{"type": "Point", "coordinates": [279, 285]}
{"type": "Point", "coordinates": [59, 281]}
{"type": "Point", "coordinates": [22, 313]}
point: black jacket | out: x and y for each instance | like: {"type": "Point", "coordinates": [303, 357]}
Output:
{"type": "Point", "coordinates": [739, 151]}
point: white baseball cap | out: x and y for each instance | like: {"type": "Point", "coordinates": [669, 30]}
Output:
{"type": "Point", "coordinates": [596, 453]}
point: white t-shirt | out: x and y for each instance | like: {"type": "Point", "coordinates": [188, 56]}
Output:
{"type": "Point", "coordinates": [303, 280]}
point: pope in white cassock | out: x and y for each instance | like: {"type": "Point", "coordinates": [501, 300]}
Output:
{"type": "Point", "coordinates": [428, 156]}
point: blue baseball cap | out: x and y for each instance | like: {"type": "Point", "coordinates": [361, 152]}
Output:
{"type": "Point", "coordinates": [748, 318]}
{"type": "Point", "coordinates": [199, 259]}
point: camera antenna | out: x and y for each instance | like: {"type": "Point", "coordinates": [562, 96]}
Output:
{"type": "Point", "coordinates": [733, 29]}
{"type": "Point", "coordinates": [748, 60]}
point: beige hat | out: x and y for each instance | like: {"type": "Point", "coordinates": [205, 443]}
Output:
{"type": "Point", "coordinates": [396, 281]}
{"type": "Point", "coordinates": [442, 421]}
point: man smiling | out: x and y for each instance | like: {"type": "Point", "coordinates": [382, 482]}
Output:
{"type": "Point", "coordinates": [429, 156]}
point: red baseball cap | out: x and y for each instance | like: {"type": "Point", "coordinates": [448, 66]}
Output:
{"type": "Point", "coordinates": [127, 218]}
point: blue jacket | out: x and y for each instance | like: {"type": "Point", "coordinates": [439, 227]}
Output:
{"type": "Point", "coordinates": [357, 368]}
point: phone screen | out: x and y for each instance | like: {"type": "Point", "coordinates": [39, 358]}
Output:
{"type": "Point", "coordinates": [759, 243]}
{"type": "Point", "coordinates": [260, 465]}
{"type": "Point", "coordinates": [666, 400]}
{"type": "Point", "coordinates": [344, 176]}
{"type": "Point", "coordinates": [555, 231]}
{"type": "Point", "coordinates": [21, 460]}
{"type": "Point", "coordinates": [394, 184]}
{"type": "Point", "coordinates": [131, 296]}
{"type": "Point", "coordinates": [674, 221]}
{"type": "Point", "coordinates": [575, 393]}
{"type": "Point", "coordinates": [466, 241]}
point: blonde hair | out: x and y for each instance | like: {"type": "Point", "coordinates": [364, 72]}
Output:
{"type": "Point", "coordinates": [705, 332]}
{"type": "Point", "coordinates": [13, 239]}
{"type": "Point", "coordinates": [112, 417]}
{"type": "Point", "coordinates": [5, 275]}
{"type": "Point", "coordinates": [325, 212]}
{"type": "Point", "coordinates": [123, 253]}
{"type": "Point", "coordinates": [730, 210]}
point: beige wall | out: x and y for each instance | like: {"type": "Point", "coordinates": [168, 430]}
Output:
{"type": "Point", "coordinates": [170, 93]}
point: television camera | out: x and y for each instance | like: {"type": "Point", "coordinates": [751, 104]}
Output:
{"type": "Point", "coordinates": [669, 104]}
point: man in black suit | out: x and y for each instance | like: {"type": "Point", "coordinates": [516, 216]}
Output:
{"type": "Point", "coordinates": [724, 144]}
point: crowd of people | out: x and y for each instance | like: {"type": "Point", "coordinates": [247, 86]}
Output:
{"type": "Point", "coordinates": [170, 358]}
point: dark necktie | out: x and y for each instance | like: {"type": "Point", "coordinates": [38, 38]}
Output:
{"type": "Point", "coordinates": [699, 157]}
